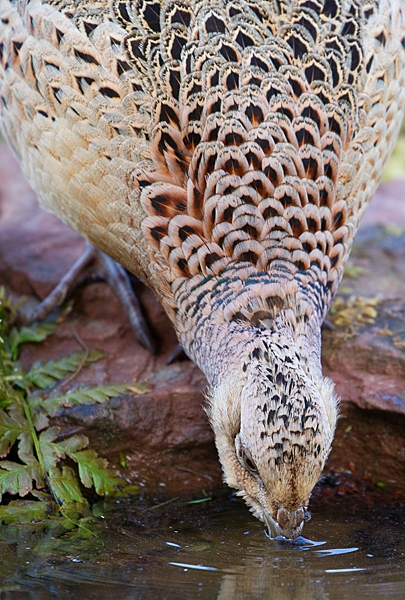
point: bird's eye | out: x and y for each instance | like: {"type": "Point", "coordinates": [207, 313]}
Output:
{"type": "Point", "coordinates": [244, 456]}
{"type": "Point", "coordinates": [246, 459]}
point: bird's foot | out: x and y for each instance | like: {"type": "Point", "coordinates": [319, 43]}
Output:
{"type": "Point", "coordinates": [328, 325]}
{"type": "Point", "coordinates": [175, 354]}
{"type": "Point", "coordinates": [116, 277]}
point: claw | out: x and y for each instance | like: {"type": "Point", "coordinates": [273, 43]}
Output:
{"type": "Point", "coordinates": [119, 281]}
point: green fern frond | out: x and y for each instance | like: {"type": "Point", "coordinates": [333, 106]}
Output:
{"type": "Point", "coordinates": [37, 333]}
{"type": "Point", "coordinates": [66, 489]}
{"type": "Point", "coordinates": [16, 478]}
{"type": "Point", "coordinates": [45, 375]}
{"type": "Point", "coordinates": [52, 452]}
{"type": "Point", "coordinates": [93, 472]}
{"type": "Point", "coordinates": [24, 429]}
{"type": "Point", "coordinates": [24, 511]}
{"type": "Point", "coordinates": [42, 408]}
{"type": "Point", "coordinates": [92, 468]}
{"type": "Point", "coordinates": [10, 430]}
{"type": "Point", "coordinates": [100, 395]}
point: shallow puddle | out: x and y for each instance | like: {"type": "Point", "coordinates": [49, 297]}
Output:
{"type": "Point", "coordinates": [214, 550]}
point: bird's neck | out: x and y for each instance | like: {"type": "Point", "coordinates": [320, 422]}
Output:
{"type": "Point", "coordinates": [230, 324]}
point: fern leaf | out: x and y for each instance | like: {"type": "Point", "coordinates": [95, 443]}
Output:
{"type": "Point", "coordinates": [43, 496]}
{"type": "Point", "coordinates": [72, 444]}
{"type": "Point", "coordinates": [49, 435]}
{"type": "Point", "coordinates": [24, 413]}
{"type": "Point", "coordinates": [139, 388]}
{"type": "Point", "coordinates": [52, 452]}
{"type": "Point", "coordinates": [24, 511]}
{"type": "Point", "coordinates": [49, 453]}
{"type": "Point", "coordinates": [93, 471]}
{"type": "Point", "coordinates": [65, 487]}
{"type": "Point", "coordinates": [26, 448]}
{"type": "Point", "coordinates": [29, 334]}
{"type": "Point", "coordinates": [93, 395]}
{"type": "Point", "coordinates": [11, 428]}
{"type": "Point", "coordinates": [45, 375]}
{"type": "Point", "coordinates": [18, 479]}
{"type": "Point", "coordinates": [39, 418]}
{"type": "Point", "coordinates": [16, 408]}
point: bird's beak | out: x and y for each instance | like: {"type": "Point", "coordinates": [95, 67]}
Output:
{"type": "Point", "coordinates": [288, 523]}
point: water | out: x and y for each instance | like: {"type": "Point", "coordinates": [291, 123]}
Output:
{"type": "Point", "coordinates": [213, 551]}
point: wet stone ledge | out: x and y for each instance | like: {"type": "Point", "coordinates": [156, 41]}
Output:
{"type": "Point", "coordinates": [161, 440]}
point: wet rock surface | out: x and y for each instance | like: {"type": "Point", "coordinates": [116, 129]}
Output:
{"type": "Point", "coordinates": [161, 440]}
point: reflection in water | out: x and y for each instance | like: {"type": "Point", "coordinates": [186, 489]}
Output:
{"type": "Point", "coordinates": [352, 570]}
{"type": "Point", "coordinates": [215, 551]}
{"type": "Point", "coordinates": [283, 573]}
{"type": "Point", "coordinates": [197, 567]}
{"type": "Point", "coordinates": [273, 579]}
{"type": "Point", "coordinates": [335, 551]}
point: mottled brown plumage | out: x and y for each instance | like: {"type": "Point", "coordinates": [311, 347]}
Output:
{"type": "Point", "coordinates": [224, 151]}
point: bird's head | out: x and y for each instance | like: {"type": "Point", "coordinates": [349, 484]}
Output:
{"type": "Point", "coordinates": [274, 424]}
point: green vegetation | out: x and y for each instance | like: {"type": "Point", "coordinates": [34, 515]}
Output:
{"type": "Point", "coordinates": [48, 471]}
{"type": "Point", "coordinates": [353, 312]}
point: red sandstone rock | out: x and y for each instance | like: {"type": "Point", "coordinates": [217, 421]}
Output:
{"type": "Point", "coordinates": [164, 434]}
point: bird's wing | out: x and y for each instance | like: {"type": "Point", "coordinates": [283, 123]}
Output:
{"type": "Point", "coordinates": [289, 110]}
{"type": "Point", "coordinates": [234, 140]}
{"type": "Point", "coordinates": [78, 117]}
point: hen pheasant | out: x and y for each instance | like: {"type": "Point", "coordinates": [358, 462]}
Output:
{"type": "Point", "coordinates": [224, 152]}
